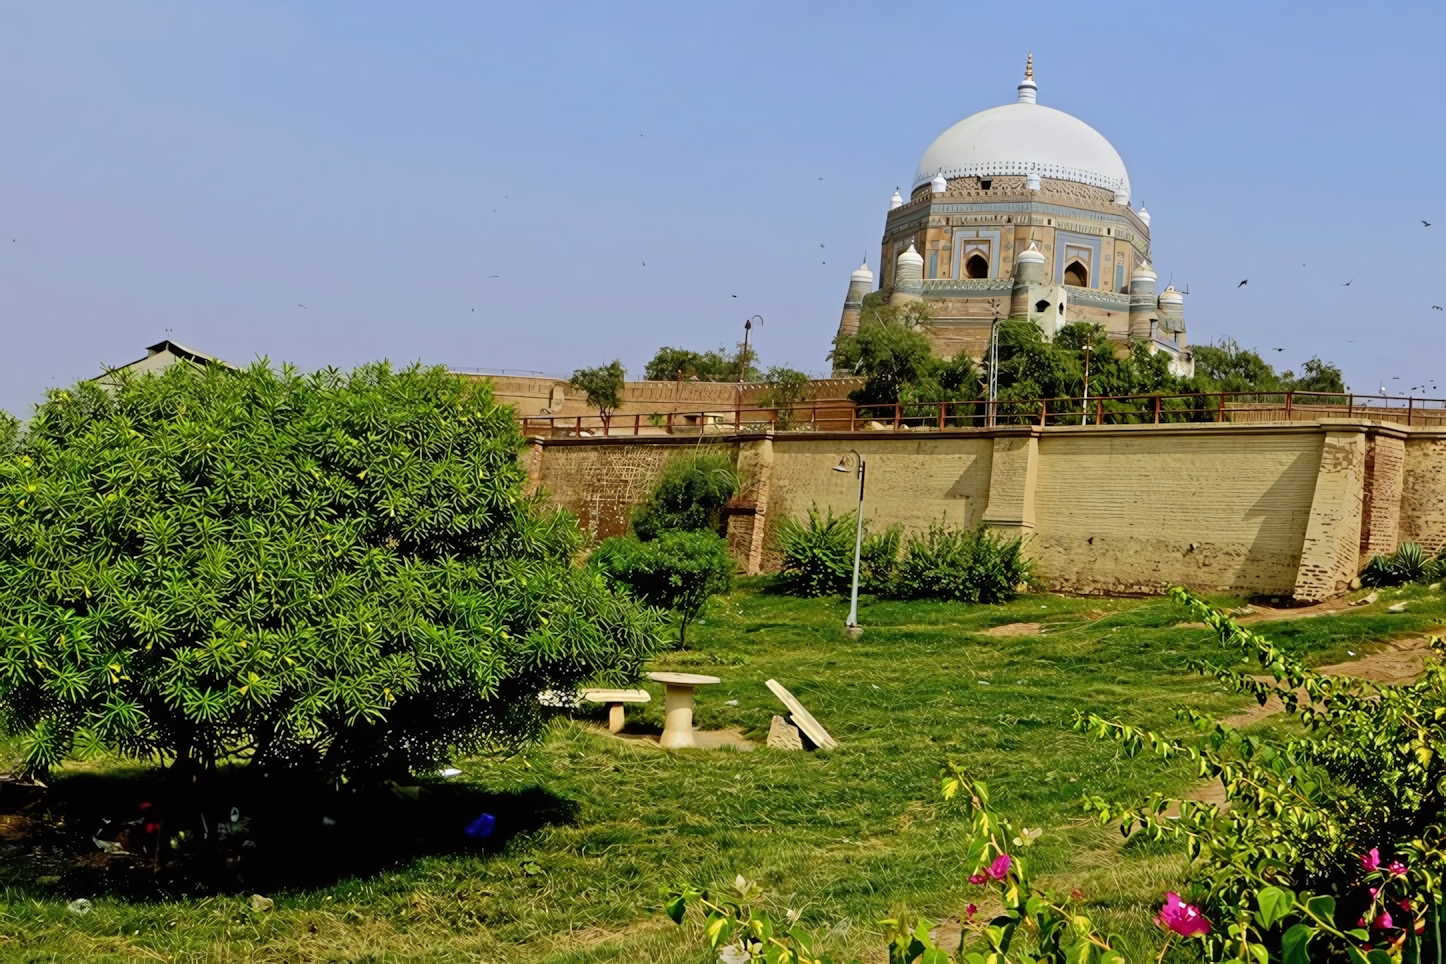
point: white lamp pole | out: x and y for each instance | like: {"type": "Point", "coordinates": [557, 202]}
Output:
{"type": "Point", "coordinates": [853, 620]}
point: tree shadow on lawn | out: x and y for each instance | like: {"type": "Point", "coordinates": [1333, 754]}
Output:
{"type": "Point", "coordinates": [146, 835]}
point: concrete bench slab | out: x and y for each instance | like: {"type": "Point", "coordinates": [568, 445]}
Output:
{"type": "Point", "coordinates": [615, 701]}
{"type": "Point", "coordinates": [802, 718]}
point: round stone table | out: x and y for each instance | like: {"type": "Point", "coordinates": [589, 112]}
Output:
{"type": "Point", "coordinates": [678, 706]}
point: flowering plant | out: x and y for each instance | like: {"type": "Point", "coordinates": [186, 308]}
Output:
{"type": "Point", "coordinates": [1331, 843]}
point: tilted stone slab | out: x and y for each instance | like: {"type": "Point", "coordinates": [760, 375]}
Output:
{"type": "Point", "coordinates": [802, 718]}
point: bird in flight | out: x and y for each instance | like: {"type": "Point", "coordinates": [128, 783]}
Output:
{"type": "Point", "coordinates": [492, 276]}
{"type": "Point", "coordinates": [1243, 283]}
{"type": "Point", "coordinates": [735, 296]}
{"type": "Point", "coordinates": [645, 264]}
{"type": "Point", "coordinates": [303, 306]}
{"type": "Point", "coordinates": [1277, 349]}
{"type": "Point", "coordinates": [1435, 307]}
{"type": "Point", "coordinates": [1427, 223]}
{"type": "Point", "coordinates": [1348, 283]}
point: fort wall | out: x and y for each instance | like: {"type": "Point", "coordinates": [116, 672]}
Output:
{"type": "Point", "coordinates": [1277, 509]}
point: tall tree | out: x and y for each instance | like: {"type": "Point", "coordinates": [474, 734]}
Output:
{"type": "Point", "coordinates": [336, 572]}
{"type": "Point", "coordinates": [602, 386]}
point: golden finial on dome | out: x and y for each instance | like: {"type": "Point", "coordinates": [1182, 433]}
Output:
{"type": "Point", "coordinates": [1029, 66]}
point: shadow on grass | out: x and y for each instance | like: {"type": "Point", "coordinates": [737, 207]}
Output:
{"type": "Point", "coordinates": [145, 835]}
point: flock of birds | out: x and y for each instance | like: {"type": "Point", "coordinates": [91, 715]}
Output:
{"type": "Point", "coordinates": [1424, 223]}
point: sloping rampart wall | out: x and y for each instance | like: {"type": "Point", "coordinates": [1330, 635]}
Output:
{"type": "Point", "coordinates": [1285, 509]}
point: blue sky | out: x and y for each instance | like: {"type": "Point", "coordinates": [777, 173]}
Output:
{"type": "Point", "coordinates": [202, 170]}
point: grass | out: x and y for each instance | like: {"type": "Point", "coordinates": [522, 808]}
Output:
{"type": "Point", "coordinates": [599, 825]}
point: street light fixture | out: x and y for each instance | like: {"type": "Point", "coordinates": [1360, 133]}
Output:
{"type": "Point", "coordinates": [852, 626]}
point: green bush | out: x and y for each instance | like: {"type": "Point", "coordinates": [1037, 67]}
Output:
{"type": "Point", "coordinates": [1333, 833]}
{"type": "Point", "coordinates": [977, 566]}
{"type": "Point", "coordinates": [689, 496]}
{"type": "Point", "coordinates": [1409, 563]}
{"type": "Point", "coordinates": [818, 555]}
{"type": "Point", "coordinates": [337, 572]}
{"type": "Point", "coordinates": [680, 571]}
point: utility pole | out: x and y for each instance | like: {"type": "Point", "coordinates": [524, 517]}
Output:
{"type": "Point", "coordinates": [993, 364]}
{"type": "Point", "coordinates": [1087, 350]}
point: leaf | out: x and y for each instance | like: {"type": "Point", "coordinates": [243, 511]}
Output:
{"type": "Point", "coordinates": [1293, 945]}
{"type": "Point", "coordinates": [1322, 908]}
{"type": "Point", "coordinates": [1274, 903]}
{"type": "Point", "coordinates": [675, 908]}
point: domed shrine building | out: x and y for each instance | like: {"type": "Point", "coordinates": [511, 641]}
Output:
{"type": "Point", "coordinates": [1023, 211]}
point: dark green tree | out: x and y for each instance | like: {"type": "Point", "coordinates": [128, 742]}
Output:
{"type": "Point", "coordinates": [338, 572]}
{"type": "Point", "coordinates": [603, 386]}
{"type": "Point", "coordinates": [718, 365]}
{"type": "Point", "coordinates": [679, 571]}
{"type": "Point", "coordinates": [689, 496]}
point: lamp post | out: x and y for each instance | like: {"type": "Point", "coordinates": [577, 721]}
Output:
{"type": "Point", "coordinates": [743, 361]}
{"type": "Point", "coordinates": [1087, 384]}
{"type": "Point", "coordinates": [852, 626]}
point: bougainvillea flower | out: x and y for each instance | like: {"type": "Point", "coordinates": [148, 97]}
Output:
{"type": "Point", "coordinates": [1182, 918]}
{"type": "Point", "coordinates": [1383, 922]}
{"type": "Point", "coordinates": [1397, 868]}
{"type": "Point", "coordinates": [1000, 867]}
{"type": "Point", "coordinates": [972, 910]}
{"type": "Point", "coordinates": [977, 879]}
{"type": "Point", "coordinates": [1372, 860]}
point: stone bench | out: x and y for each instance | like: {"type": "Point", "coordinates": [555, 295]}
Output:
{"type": "Point", "coordinates": [616, 701]}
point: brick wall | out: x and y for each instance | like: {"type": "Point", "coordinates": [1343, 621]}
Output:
{"type": "Point", "coordinates": [1276, 510]}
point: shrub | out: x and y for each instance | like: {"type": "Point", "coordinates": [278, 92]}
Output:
{"type": "Point", "coordinates": [1409, 563]}
{"type": "Point", "coordinates": [1338, 821]}
{"type": "Point", "coordinates": [818, 555]}
{"type": "Point", "coordinates": [689, 496]}
{"type": "Point", "coordinates": [602, 386]}
{"type": "Point", "coordinates": [680, 571]}
{"type": "Point", "coordinates": [978, 566]}
{"type": "Point", "coordinates": [338, 572]}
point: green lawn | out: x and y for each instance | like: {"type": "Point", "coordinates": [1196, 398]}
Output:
{"type": "Point", "coordinates": [847, 836]}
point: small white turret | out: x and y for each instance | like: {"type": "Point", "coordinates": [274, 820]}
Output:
{"type": "Point", "coordinates": [1027, 89]}
{"type": "Point", "coordinates": [938, 185]}
{"type": "Point", "coordinates": [1031, 181]}
{"type": "Point", "coordinates": [1144, 308]}
{"type": "Point", "coordinates": [897, 201]}
{"type": "Point", "coordinates": [1122, 196]}
{"type": "Point", "coordinates": [1144, 215]}
{"type": "Point", "coordinates": [908, 277]}
{"type": "Point", "coordinates": [861, 282]}
{"type": "Point", "coordinates": [1030, 255]}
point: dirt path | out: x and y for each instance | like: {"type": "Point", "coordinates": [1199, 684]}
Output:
{"type": "Point", "coordinates": [1400, 661]}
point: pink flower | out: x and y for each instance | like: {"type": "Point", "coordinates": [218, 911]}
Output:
{"type": "Point", "coordinates": [1383, 922]}
{"type": "Point", "coordinates": [972, 910]}
{"type": "Point", "coordinates": [977, 879]}
{"type": "Point", "coordinates": [1182, 918]}
{"type": "Point", "coordinates": [1397, 868]}
{"type": "Point", "coordinates": [1372, 860]}
{"type": "Point", "coordinates": [1406, 906]}
{"type": "Point", "coordinates": [1000, 867]}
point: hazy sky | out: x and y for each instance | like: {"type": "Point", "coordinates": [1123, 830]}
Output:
{"type": "Point", "coordinates": [201, 170]}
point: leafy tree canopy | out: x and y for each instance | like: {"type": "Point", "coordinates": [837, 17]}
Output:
{"type": "Point", "coordinates": [718, 365]}
{"type": "Point", "coordinates": [334, 571]}
{"type": "Point", "coordinates": [689, 495]}
{"type": "Point", "coordinates": [603, 386]}
{"type": "Point", "coordinates": [678, 570]}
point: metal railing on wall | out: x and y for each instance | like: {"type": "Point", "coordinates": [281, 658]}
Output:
{"type": "Point", "coordinates": [843, 415]}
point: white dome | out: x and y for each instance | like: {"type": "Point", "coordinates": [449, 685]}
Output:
{"type": "Point", "coordinates": [862, 275]}
{"type": "Point", "coordinates": [1020, 139]}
